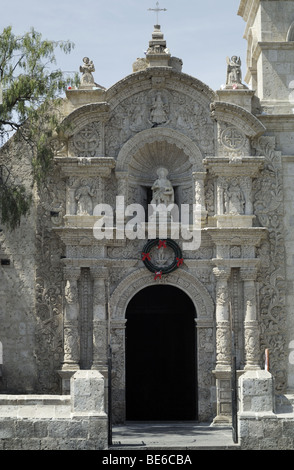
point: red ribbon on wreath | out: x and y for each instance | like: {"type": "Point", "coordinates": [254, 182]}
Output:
{"type": "Point", "coordinates": [158, 274]}
{"type": "Point", "coordinates": [146, 255]}
{"type": "Point", "coordinates": [179, 261]}
{"type": "Point", "coordinates": [162, 244]}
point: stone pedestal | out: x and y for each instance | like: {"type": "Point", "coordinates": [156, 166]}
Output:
{"type": "Point", "coordinates": [256, 393]}
{"type": "Point", "coordinates": [87, 392]}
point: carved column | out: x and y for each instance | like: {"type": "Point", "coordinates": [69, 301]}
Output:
{"type": "Point", "coordinates": [247, 189]}
{"type": "Point", "coordinates": [220, 196]}
{"type": "Point", "coordinates": [122, 184]}
{"type": "Point", "coordinates": [71, 320]}
{"type": "Point", "coordinates": [223, 346]}
{"type": "Point", "coordinates": [251, 327]}
{"type": "Point", "coordinates": [223, 326]}
{"type": "Point", "coordinates": [118, 328]}
{"type": "Point", "coordinates": [100, 321]}
{"type": "Point", "coordinates": [199, 177]}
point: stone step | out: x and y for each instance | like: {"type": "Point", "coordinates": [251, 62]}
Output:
{"type": "Point", "coordinates": [173, 448]}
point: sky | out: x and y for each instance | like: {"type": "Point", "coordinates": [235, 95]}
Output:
{"type": "Point", "coordinates": [114, 33]}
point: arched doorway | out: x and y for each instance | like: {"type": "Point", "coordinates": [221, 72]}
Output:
{"type": "Point", "coordinates": [161, 355]}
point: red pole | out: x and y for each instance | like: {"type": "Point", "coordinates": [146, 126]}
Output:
{"type": "Point", "coordinates": [266, 366]}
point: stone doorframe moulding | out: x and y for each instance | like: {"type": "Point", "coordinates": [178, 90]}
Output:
{"type": "Point", "coordinates": [204, 322]}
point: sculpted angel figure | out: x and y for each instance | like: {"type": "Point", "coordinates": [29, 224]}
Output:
{"type": "Point", "coordinates": [234, 74]}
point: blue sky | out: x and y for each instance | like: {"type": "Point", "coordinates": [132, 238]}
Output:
{"type": "Point", "coordinates": [113, 33]}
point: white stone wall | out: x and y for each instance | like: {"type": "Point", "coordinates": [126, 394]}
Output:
{"type": "Point", "coordinates": [288, 167]}
{"type": "Point", "coordinates": [46, 422]}
{"type": "Point", "coordinates": [17, 280]}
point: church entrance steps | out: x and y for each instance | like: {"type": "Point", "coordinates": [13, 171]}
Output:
{"type": "Point", "coordinates": [177, 436]}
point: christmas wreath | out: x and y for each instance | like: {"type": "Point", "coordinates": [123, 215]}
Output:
{"type": "Point", "coordinates": [147, 257]}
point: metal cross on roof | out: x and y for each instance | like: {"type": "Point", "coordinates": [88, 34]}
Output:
{"type": "Point", "coordinates": [157, 10]}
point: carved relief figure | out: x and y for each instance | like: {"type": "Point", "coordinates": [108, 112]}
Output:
{"type": "Point", "coordinates": [234, 74]}
{"type": "Point", "coordinates": [83, 196]}
{"type": "Point", "coordinates": [234, 199]}
{"type": "Point", "coordinates": [158, 114]}
{"type": "Point", "coordinates": [162, 190]}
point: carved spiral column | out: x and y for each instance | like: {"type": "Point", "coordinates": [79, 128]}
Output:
{"type": "Point", "coordinates": [100, 321]}
{"type": "Point", "coordinates": [251, 327]}
{"type": "Point", "coordinates": [223, 326]}
{"type": "Point", "coordinates": [71, 320]}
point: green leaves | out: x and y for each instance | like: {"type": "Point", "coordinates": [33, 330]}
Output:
{"type": "Point", "coordinates": [14, 202]}
{"type": "Point", "coordinates": [30, 100]}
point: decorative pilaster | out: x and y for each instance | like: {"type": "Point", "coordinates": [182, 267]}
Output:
{"type": "Point", "coordinates": [223, 327]}
{"type": "Point", "coordinates": [100, 321]}
{"type": "Point", "coordinates": [251, 327]}
{"type": "Point", "coordinates": [122, 184]}
{"type": "Point", "coordinates": [220, 196]}
{"type": "Point", "coordinates": [71, 320]}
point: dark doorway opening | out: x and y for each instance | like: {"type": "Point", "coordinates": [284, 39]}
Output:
{"type": "Point", "coordinates": [161, 356]}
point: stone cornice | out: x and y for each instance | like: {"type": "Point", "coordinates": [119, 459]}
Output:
{"type": "Point", "coordinates": [76, 166]}
{"type": "Point", "coordinates": [237, 236]}
{"type": "Point", "coordinates": [278, 122]}
{"type": "Point", "coordinates": [225, 166]}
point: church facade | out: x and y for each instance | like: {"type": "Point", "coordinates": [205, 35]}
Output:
{"type": "Point", "coordinates": [88, 285]}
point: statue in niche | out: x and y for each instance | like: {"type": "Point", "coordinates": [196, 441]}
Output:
{"type": "Point", "coordinates": [234, 199]}
{"type": "Point", "coordinates": [83, 196]}
{"type": "Point", "coordinates": [162, 190]}
{"type": "Point", "coordinates": [158, 114]}
{"type": "Point", "coordinates": [234, 74]}
{"type": "Point", "coordinates": [86, 69]}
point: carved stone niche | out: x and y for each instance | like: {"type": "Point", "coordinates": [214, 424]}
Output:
{"type": "Point", "coordinates": [233, 189]}
{"type": "Point", "coordinates": [85, 181]}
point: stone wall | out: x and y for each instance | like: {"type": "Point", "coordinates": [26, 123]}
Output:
{"type": "Point", "coordinates": [262, 425]}
{"type": "Point", "coordinates": [55, 422]}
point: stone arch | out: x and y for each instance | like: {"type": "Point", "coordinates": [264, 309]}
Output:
{"type": "Point", "coordinates": [142, 278]}
{"type": "Point", "coordinates": [204, 329]}
{"type": "Point", "coordinates": [290, 33]}
{"type": "Point", "coordinates": [159, 135]}
{"type": "Point", "coordinates": [239, 117]}
{"type": "Point", "coordinates": [81, 117]}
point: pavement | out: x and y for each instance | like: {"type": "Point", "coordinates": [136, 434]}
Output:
{"type": "Point", "coordinates": [172, 435]}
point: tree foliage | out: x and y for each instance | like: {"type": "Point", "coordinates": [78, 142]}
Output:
{"type": "Point", "coordinates": [31, 91]}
